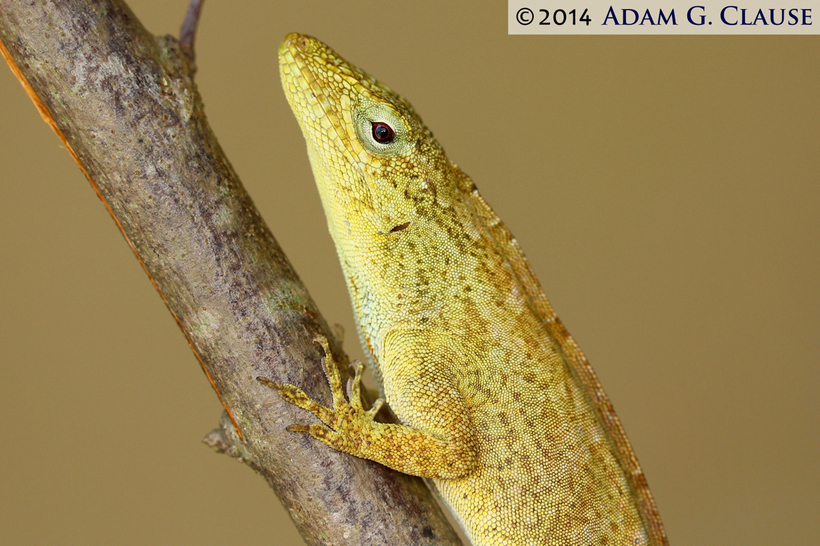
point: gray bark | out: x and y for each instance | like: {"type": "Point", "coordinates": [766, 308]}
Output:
{"type": "Point", "coordinates": [126, 106]}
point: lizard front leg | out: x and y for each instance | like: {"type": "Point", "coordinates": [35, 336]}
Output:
{"type": "Point", "coordinates": [430, 448]}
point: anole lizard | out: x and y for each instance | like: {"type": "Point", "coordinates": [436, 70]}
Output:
{"type": "Point", "coordinates": [496, 402]}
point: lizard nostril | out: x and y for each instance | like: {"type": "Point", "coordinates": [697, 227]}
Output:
{"type": "Point", "coordinates": [400, 227]}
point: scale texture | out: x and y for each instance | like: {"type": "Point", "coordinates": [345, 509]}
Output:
{"type": "Point", "coordinates": [496, 403]}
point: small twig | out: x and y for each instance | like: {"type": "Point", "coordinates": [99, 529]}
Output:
{"type": "Point", "coordinates": [187, 34]}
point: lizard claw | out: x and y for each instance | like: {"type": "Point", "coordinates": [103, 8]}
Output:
{"type": "Point", "coordinates": [377, 405]}
{"type": "Point", "coordinates": [297, 428]}
{"type": "Point", "coordinates": [321, 432]}
{"type": "Point", "coordinates": [331, 369]}
{"type": "Point", "coordinates": [298, 397]}
{"type": "Point", "coordinates": [354, 386]}
{"type": "Point", "coordinates": [339, 332]}
{"type": "Point", "coordinates": [267, 382]}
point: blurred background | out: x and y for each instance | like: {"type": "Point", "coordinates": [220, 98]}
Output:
{"type": "Point", "coordinates": [665, 190]}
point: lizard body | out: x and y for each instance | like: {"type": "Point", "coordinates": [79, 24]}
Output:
{"type": "Point", "coordinates": [496, 403]}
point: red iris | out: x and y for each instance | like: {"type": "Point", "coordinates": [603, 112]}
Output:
{"type": "Point", "coordinates": [383, 133]}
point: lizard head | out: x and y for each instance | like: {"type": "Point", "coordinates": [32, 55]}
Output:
{"type": "Point", "coordinates": [379, 170]}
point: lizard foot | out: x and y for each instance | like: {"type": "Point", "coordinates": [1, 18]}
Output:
{"type": "Point", "coordinates": [344, 425]}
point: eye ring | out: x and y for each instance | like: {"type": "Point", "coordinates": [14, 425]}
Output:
{"type": "Point", "coordinates": [382, 132]}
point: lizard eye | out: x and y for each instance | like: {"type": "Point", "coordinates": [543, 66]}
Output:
{"type": "Point", "coordinates": [380, 129]}
{"type": "Point", "coordinates": [383, 133]}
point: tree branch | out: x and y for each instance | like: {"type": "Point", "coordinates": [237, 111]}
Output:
{"type": "Point", "coordinates": [126, 107]}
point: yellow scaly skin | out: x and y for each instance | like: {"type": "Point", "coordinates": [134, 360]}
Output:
{"type": "Point", "coordinates": [497, 404]}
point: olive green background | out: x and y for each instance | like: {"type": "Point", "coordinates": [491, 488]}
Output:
{"type": "Point", "coordinates": [665, 190]}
